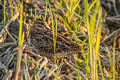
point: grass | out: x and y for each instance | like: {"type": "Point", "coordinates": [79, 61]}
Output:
{"type": "Point", "coordinates": [113, 60]}
{"type": "Point", "coordinates": [4, 11]}
{"type": "Point", "coordinates": [73, 18]}
{"type": "Point", "coordinates": [20, 45]}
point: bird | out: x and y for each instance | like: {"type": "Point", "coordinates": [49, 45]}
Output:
{"type": "Point", "coordinates": [41, 38]}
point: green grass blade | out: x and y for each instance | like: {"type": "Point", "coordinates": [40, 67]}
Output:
{"type": "Point", "coordinates": [53, 29]}
{"type": "Point", "coordinates": [21, 25]}
{"type": "Point", "coordinates": [113, 60]}
{"type": "Point", "coordinates": [74, 8]}
{"type": "Point", "coordinates": [4, 12]}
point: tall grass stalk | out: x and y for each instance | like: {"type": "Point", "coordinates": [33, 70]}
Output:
{"type": "Point", "coordinates": [4, 12]}
{"type": "Point", "coordinates": [87, 24]}
{"type": "Point", "coordinates": [113, 60]}
{"type": "Point", "coordinates": [20, 45]}
{"type": "Point", "coordinates": [97, 46]}
{"type": "Point", "coordinates": [91, 34]}
{"type": "Point", "coordinates": [94, 51]}
{"type": "Point", "coordinates": [21, 25]}
{"type": "Point", "coordinates": [53, 29]}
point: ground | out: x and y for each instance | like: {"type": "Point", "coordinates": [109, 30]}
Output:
{"type": "Point", "coordinates": [66, 40]}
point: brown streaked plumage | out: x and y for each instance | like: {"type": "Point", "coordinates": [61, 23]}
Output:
{"type": "Point", "coordinates": [42, 40]}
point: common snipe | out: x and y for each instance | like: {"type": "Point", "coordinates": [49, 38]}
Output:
{"type": "Point", "coordinates": [42, 40]}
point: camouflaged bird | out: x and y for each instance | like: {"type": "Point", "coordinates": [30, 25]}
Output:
{"type": "Point", "coordinates": [42, 39]}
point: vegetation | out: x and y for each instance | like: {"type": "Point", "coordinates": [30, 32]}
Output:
{"type": "Point", "coordinates": [81, 21]}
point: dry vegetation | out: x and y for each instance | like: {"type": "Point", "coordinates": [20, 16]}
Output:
{"type": "Point", "coordinates": [59, 40]}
